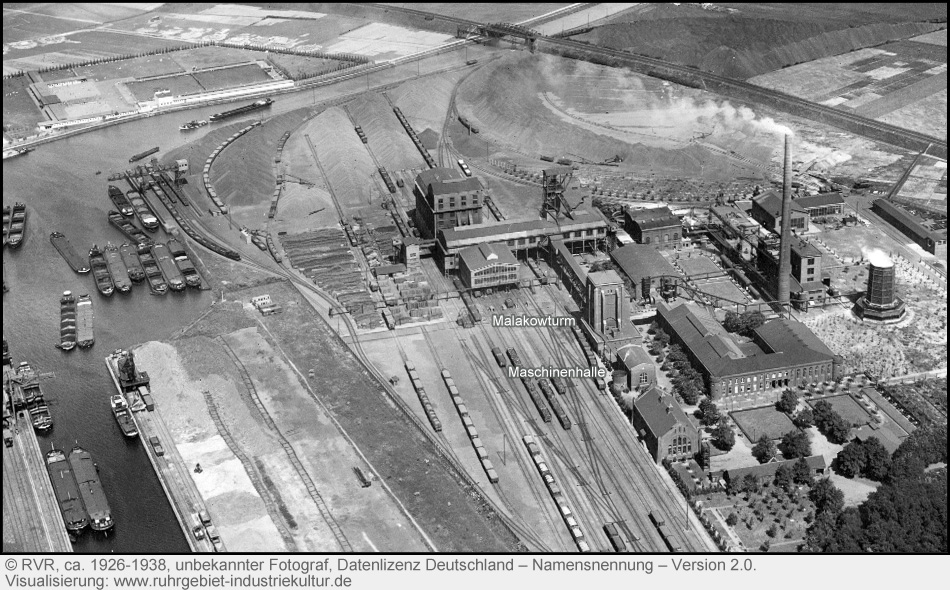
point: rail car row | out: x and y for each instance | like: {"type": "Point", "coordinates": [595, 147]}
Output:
{"type": "Point", "coordinates": [430, 162]}
{"type": "Point", "coordinates": [556, 494]}
{"type": "Point", "coordinates": [423, 397]}
{"type": "Point", "coordinates": [470, 429]}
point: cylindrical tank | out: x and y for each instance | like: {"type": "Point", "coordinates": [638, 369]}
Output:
{"type": "Point", "coordinates": [880, 283]}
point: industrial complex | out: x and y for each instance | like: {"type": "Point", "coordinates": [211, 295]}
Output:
{"type": "Point", "coordinates": [432, 279]}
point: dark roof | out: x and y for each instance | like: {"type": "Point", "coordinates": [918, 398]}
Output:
{"type": "Point", "coordinates": [815, 462]}
{"type": "Point", "coordinates": [771, 203]}
{"type": "Point", "coordinates": [787, 343]}
{"type": "Point", "coordinates": [485, 255]}
{"type": "Point", "coordinates": [389, 269]}
{"type": "Point", "coordinates": [911, 221]}
{"type": "Point", "coordinates": [642, 260]}
{"type": "Point", "coordinates": [653, 218]}
{"type": "Point", "coordinates": [805, 249]}
{"type": "Point", "coordinates": [659, 411]}
{"type": "Point", "coordinates": [514, 229]}
{"type": "Point", "coordinates": [427, 177]}
{"type": "Point", "coordinates": [819, 200]}
{"type": "Point", "coordinates": [888, 439]}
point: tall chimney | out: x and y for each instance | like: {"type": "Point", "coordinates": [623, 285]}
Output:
{"type": "Point", "coordinates": [784, 257]}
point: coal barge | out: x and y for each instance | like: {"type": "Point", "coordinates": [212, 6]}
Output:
{"type": "Point", "coordinates": [156, 282]}
{"type": "Point", "coordinates": [90, 489]}
{"type": "Point", "coordinates": [100, 271]}
{"type": "Point", "coordinates": [67, 321]}
{"type": "Point", "coordinates": [142, 211]}
{"type": "Point", "coordinates": [73, 258]}
{"type": "Point", "coordinates": [128, 228]}
{"type": "Point", "coordinates": [165, 262]}
{"type": "Point", "coordinates": [121, 201]}
{"type": "Point", "coordinates": [84, 320]}
{"type": "Point", "coordinates": [28, 383]}
{"type": "Point", "coordinates": [184, 264]}
{"type": "Point", "coordinates": [132, 263]}
{"type": "Point", "coordinates": [120, 274]}
{"type": "Point", "coordinates": [144, 154]}
{"type": "Point", "coordinates": [256, 105]}
{"type": "Point", "coordinates": [17, 226]}
{"type": "Point", "coordinates": [7, 216]}
{"type": "Point", "coordinates": [64, 483]}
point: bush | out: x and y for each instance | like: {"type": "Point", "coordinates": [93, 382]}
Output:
{"type": "Point", "coordinates": [732, 519]}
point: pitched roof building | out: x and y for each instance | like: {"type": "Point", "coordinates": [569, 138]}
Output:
{"type": "Point", "coordinates": [657, 227]}
{"type": "Point", "coordinates": [664, 427]}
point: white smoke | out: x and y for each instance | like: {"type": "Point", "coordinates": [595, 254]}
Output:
{"type": "Point", "coordinates": [877, 257]}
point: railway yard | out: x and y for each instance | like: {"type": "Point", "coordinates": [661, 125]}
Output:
{"type": "Point", "coordinates": [352, 389]}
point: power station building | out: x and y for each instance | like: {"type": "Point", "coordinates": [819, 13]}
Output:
{"type": "Point", "coordinates": [782, 353]}
{"type": "Point", "coordinates": [656, 227]}
{"type": "Point", "coordinates": [446, 199]}
{"type": "Point", "coordinates": [806, 286]}
{"type": "Point", "coordinates": [767, 211]}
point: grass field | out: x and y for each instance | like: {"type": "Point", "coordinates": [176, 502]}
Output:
{"type": "Point", "coordinates": [231, 77]}
{"type": "Point", "coordinates": [768, 421]}
{"type": "Point", "coordinates": [848, 409]}
{"type": "Point", "coordinates": [485, 13]}
{"type": "Point", "coordinates": [20, 114]}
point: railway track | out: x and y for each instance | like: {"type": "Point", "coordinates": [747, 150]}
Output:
{"type": "Point", "coordinates": [290, 451]}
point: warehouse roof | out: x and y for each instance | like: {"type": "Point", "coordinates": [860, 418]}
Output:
{"type": "Point", "coordinates": [653, 218]}
{"type": "Point", "coordinates": [814, 462]}
{"type": "Point", "coordinates": [604, 277]}
{"type": "Point", "coordinates": [911, 221]}
{"type": "Point", "coordinates": [659, 411]}
{"type": "Point", "coordinates": [642, 260]}
{"type": "Point", "coordinates": [584, 219]}
{"type": "Point", "coordinates": [485, 255]}
{"type": "Point", "coordinates": [771, 203]}
{"type": "Point", "coordinates": [455, 185]}
{"type": "Point", "coordinates": [819, 200]}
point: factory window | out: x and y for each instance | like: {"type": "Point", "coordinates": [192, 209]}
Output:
{"type": "Point", "coordinates": [463, 200]}
{"type": "Point", "coordinates": [451, 201]}
{"type": "Point", "coordinates": [644, 378]}
{"type": "Point", "coordinates": [676, 237]}
{"type": "Point", "coordinates": [811, 261]}
{"type": "Point", "coordinates": [811, 271]}
{"type": "Point", "coordinates": [590, 232]}
{"type": "Point", "coordinates": [646, 239]}
{"type": "Point", "coordinates": [666, 237]}
{"type": "Point", "coordinates": [521, 241]}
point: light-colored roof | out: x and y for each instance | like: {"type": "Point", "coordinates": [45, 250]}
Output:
{"type": "Point", "coordinates": [484, 255]}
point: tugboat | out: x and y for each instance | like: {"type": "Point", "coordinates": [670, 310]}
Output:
{"type": "Point", "coordinates": [90, 489]}
{"type": "Point", "coordinates": [67, 491]}
{"type": "Point", "coordinates": [120, 274]}
{"type": "Point", "coordinates": [100, 271]}
{"type": "Point", "coordinates": [67, 321]}
{"type": "Point", "coordinates": [192, 125]}
{"type": "Point", "coordinates": [17, 226]}
{"type": "Point", "coordinates": [121, 201]}
{"type": "Point", "coordinates": [120, 409]}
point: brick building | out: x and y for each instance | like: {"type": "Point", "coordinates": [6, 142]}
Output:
{"type": "Point", "coordinates": [767, 211]}
{"type": "Point", "coordinates": [656, 227]}
{"type": "Point", "coordinates": [446, 199]}
{"type": "Point", "coordinates": [782, 353]}
{"type": "Point", "coordinates": [806, 288]}
{"type": "Point", "coordinates": [662, 425]}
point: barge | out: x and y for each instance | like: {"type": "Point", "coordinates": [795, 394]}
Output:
{"type": "Point", "coordinates": [128, 228]}
{"type": "Point", "coordinates": [17, 226]}
{"type": "Point", "coordinates": [256, 105]}
{"type": "Point", "coordinates": [84, 320]}
{"type": "Point", "coordinates": [143, 155]}
{"type": "Point", "coordinates": [123, 416]}
{"type": "Point", "coordinates": [143, 211]}
{"type": "Point", "coordinates": [117, 268]}
{"type": "Point", "coordinates": [121, 201]}
{"type": "Point", "coordinates": [67, 321]}
{"type": "Point", "coordinates": [66, 489]}
{"type": "Point", "coordinates": [90, 489]}
{"type": "Point", "coordinates": [73, 258]}
{"type": "Point", "coordinates": [185, 265]}
{"type": "Point", "coordinates": [156, 282]}
{"type": "Point", "coordinates": [167, 265]}
{"type": "Point", "coordinates": [132, 263]}
{"type": "Point", "coordinates": [100, 271]}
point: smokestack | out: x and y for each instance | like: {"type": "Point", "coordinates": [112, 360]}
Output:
{"type": "Point", "coordinates": [784, 257]}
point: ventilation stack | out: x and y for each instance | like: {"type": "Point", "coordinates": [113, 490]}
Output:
{"type": "Point", "coordinates": [785, 251]}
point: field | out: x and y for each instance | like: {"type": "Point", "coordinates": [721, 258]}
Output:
{"type": "Point", "coordinates": [245, 75]}
{"type": "Point", "coordinates": [768, 421]}
{"type": "Point", "coordinates": [751, 41]}
{"type": "Point", "coordinates": [485, 13]}
{"type": "Point", "coordinates": [875, 82]}
{"type": "Point", "coordinates": [76, 47]}
{"type": "Point", "coordinates": [926, 185]}
{"type": "Point", "coordinates": [848, 409]}
{"type": "Point", "coordinates": [20, 114]}
{"type": "Point", "coordinates": [380, 41]}
{"type": "Point", "coordinates": [758, 511]}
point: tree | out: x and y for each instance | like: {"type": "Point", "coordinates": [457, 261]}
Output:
{"type": "Point", "coordinates": [732, 519]}
{"type": "Point", "coordinates": [837, 429]}
{"type": "Point", "coordinates": [750, 483]}
{"type": "Point", "coordinates": [783, 477]}
{"type": "Point", "coordinates": [801, 472]}
{"type": "Point", "coordinates": [850, 461]}
{"type": "Point", "coordinates": [772, 531]}
{"type": "Point", "coordinates": [788, 402]}
{"type": "Point", "coordinates": [676, 354]}
{"type": "Point", "coordinates": [723, 436]}
{"type": "Point", "coordinates": [827, 498]}
{"type": "Point", "coordinates": [764, 449]}
{"type": "Point", "coordinates": [708, 412]}
{"type": "Point", "coordinates": [877, 461]}
{"type": "Point", "coordinates": [653, 328]}
{"type": "Point", "coordinates": [743, 323]}
{"type": "Point", "coordinates": [689, 393]}
{"type": "Point", "coordinates": [805, 418]}
{"type": "Point", "coordinates": [795, 443]}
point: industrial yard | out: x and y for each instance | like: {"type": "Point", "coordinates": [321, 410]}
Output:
{"type": "Point", "coordinates": [480, 284]}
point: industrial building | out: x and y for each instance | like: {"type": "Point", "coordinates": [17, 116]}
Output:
{"type": "Point", "coordinates": [607, 313]}
{"type": "Point", "coordinates": [447, 199]}
{"type": "Point", "coordinates": [638, 367]}
{"type": "Point", "coordinates": [930, 236]}
{"type": "Point", "coordinates": [656, 227]}
{"type": "Point", "coordinates": [806, 288]}
{"type": "Point", "coordinates": [487, 265]}
{"type": "Point", "coordinates": [821, 205]}
{"type": "Point", "coordinates": [586, 229]}
{"type": "Point", "coordinates": [643, 265]}
{"type": "Point", "coordinates": [662, 425]}
{"type": "Point", "coordinates": [767, 211]}
{"type": "Point", "coordinates": [782, 352]}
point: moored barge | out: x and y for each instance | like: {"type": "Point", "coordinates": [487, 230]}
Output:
{"type": "Point", "coordinates": [66, 489]}
{"type": "Point", "coordinates": [73, 258]}
{"type": "Point", "coordinates": [100, 271]}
